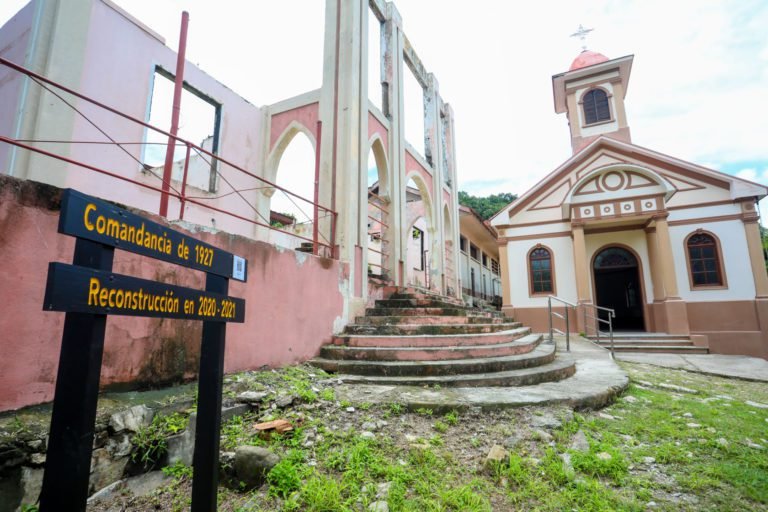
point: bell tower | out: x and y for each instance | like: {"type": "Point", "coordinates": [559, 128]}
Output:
{"type": "Point", "coordinates": [592, 94]}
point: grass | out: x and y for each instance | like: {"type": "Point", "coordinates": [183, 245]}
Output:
{"type": "Point", "coordinates": [682, 451]}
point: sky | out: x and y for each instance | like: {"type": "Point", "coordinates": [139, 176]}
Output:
{"type": "Point", "coordinates": [698, 89]}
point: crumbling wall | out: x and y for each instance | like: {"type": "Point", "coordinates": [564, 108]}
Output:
{"type": "Point", "coordinates": [293, 301]}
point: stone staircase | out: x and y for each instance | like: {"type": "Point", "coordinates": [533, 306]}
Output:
{"type": "Point", "coordinates": [641, 342]}
{"type": "Point", "coordinates": [422, 339]}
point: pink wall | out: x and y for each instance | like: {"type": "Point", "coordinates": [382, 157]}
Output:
{"type": "Point", "coordinates": [14, 39]}
{"type": "Point", "coordinates": [118, 68]}
{"type": "Point", "coordinates": [306, 116]}
{"type": "Point", "coordinates": [375, 126]}
{"type": "Point", "coordinates": [292, 301]}
{"type": "Point", "coordinates": [411, 164]}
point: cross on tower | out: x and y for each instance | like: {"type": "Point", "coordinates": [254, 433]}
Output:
{"type": "Point", "coordinates": [582, 34]}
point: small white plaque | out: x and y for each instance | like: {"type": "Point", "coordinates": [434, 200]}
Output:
{"type": "Point", "coordinates": [238, 268]}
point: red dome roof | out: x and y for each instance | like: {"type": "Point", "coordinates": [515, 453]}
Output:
{"type": "Point", "coordinates": [587, 58]}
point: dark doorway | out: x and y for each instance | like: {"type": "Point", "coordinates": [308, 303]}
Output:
{"type": "Point", "coordinates": [617, 286]}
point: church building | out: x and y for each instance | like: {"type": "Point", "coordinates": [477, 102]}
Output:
{"type": "Point", "coordinates": [672, 247]}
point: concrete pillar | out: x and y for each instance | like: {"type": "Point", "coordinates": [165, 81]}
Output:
{"type": "Point", "coordinates": [659, 313]}
{"type": "Point", "coordinates": [582, 273]}
{"type": "Point", "coordinates": [581, 265]}
{"type": "Point", "coordinates": [344, 113]}
{"type": "Point", "coordinates": [433, 149]}
{"type": "Point", "coordinates": [450, 148]}
{"type": "Point", "coordinates": [56, 50]}
{"type": "Point", "coordinates": [655, 265]}
{"type": "Point", "coordinates": [666, 260]}
{"type": "Point", "coordinates": [675, 309]}
{"type": "Point", "coordinates": [756, 259]}
{"type": "Point", "coordinates": [392, 103]}
{"type": "Point", "coordinates": [506, 281]}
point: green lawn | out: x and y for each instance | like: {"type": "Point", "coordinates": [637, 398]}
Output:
{"type": "Point", "coordinates": [656, 448]}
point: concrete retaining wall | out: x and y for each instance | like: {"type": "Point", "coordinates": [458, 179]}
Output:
{"type": "Point", "coordinates": [293, 305]}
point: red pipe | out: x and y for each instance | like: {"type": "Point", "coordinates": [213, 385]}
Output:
{"type": "Point", "coordinates": [178, 84]}
{"type": "Point", "coordinates": [197, 148]}
{"type": "Point", "coordinates": [316, 220]}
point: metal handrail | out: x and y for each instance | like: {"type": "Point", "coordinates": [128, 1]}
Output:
{"type": "Point", "coordinates": [611, 315]}
{"type": "Point", "coordinates": [565, 317]}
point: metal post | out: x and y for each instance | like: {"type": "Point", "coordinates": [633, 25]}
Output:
{"type": "Point", "coordinates": [549, 316]}
{"type": "Point", "coordinates": [205, 460]}
{"type": "Point", "coordinates": [184, 182]}
{"type": "Point", "coordinates": [70, 442]}
{"type": "Point", "coordinates": [178, 84]}
{"type": "Point", "coordinates": [316, 220]}
{"type": "Point", "coordinates": [610, 332]}
{"type": "Point", "coordinates": [597, 324]}
{"type": "Point", "coordinates": [567, 330]}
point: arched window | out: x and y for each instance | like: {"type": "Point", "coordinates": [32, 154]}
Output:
{"type": "Point", "coordinates": [704, 260]}
{"type": "Point", "coordinates": [595, 103]}
{"type": "Point", "coordinates": [540, 271]}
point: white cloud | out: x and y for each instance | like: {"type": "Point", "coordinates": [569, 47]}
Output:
{"type": "Point", "coordinates": [697, 90]}
{"type": "Point", "coordinates": [747, 174]}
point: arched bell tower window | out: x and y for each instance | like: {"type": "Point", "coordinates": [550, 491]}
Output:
{"type": "Point", "coordinates": [541, 271]}
{"type": "Point", "coordinates": [704, 260]}
{"type": "Point", "coordinates": [595, 104]}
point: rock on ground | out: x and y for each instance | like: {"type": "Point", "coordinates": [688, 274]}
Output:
{"type": "Point", "coordinates": [252, 463]}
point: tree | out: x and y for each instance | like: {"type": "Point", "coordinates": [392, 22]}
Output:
{"type": "Point", "coordinates": [488, 206]}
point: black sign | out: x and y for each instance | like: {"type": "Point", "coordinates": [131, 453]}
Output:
{"type": "Point", "coordinates": [86, 217]}
{"type": "Point", "coordinates": [74, 289]}
{"type": "Point", "coordinates": [88, 292]}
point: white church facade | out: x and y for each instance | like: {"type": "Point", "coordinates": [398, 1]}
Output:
{"type": "Point", "coordinates": [671, 246]}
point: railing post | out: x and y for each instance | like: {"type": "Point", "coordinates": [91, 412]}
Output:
{"type": "Point", "coordinates": [567, 330]}
{"type": "Point", "coordinates": [549, 316]}
{"type": "Point", "coordinates": [610, 332]}
{"type": "Point", "coordinates": [597, 324]}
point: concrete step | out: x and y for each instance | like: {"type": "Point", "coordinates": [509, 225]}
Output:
{"type": "Point", "coordinates": [421, 295]}
{"type": "Point", "coordinates": [542, 354]}
{"type": "Point", "coordinates": [665, 349]}
{"type": "Point", "coordinates": [642, 336]}
{"type": "Point", "coordinates": [425, 320]}
{"type": "Point", "coordinates": [443, 353]}
{"type": "Point", "coordinates": [554, 371]}
{"type": "Point", "coordinates": [435, 329]}
{"type": "Point", "coordinates": [596, 383]}
{"type": "Point", "coordinates": [415, 303]}
{"type": "Point", "coordinates": [426, 311]}
{"type": "Point", "coordinates": [421, 340]}
{"type": "Point", "coordinates": [647, 342]}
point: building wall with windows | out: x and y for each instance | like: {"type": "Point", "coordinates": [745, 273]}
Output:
{"type": "Point", "coordinates": [479, 267]}
{"type": "Point", "coordinates": [672, 247]}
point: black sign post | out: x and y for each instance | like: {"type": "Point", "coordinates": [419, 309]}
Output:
{"type": "Point", "coordinates": [87, 291]}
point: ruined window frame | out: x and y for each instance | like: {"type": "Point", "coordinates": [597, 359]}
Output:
{"type": "Point", "coordinates": [159, 71]}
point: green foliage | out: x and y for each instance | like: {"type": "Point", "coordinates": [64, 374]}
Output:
{"type": "Point", "coordinates": [179, 471]}
{"type": "Point", "coordinates": [488, 206]}
{"type": "Point", "coordinates": [328, 394]}
{"type": "Point", "coordinates": [440, 427]}
{"type": "Point", "coordinates": [396, 408]}
{"type": "Point", "coordinates": [150, 442]}
{"type": "Point", "coordinates": [286, 476]}
{"type": "Point", "coordinates": [29, 508]}
{"type": "Point", "coordinates": [451, 418]}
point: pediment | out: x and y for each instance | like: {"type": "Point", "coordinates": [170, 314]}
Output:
{"type": "Point", "coordinates": [608, 169]}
